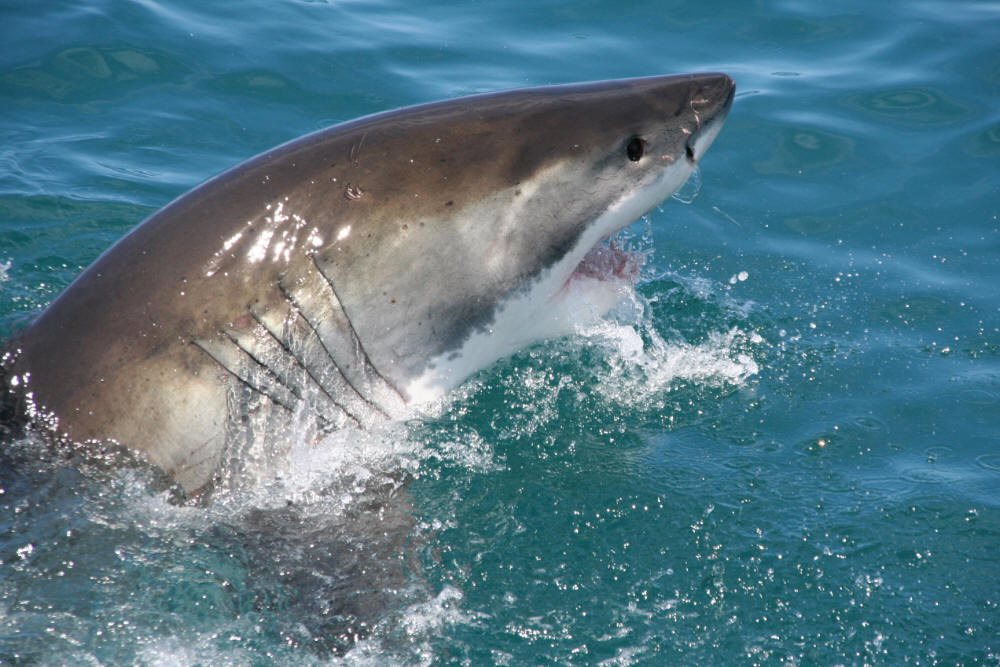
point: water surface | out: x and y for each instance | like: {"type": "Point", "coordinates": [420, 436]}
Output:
{"type": "Point", "coordinates": [784, 450]}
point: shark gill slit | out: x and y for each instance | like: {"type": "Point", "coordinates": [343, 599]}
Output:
{"type": "Point", "coordinates": [290, 353]}
{"type": "Point", "coordinates": [242, 377]}
{"type": "Point", "coordinates": [257, 349]}
{"type": "Point", "coordinates": [354, 333]}
{"type": "Point", "coordinates": [314, 334]}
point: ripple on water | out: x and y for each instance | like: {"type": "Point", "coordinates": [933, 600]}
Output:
{"type": "Point", "coordinates": [88, 73]}
{"type": "Point", "coordinates": [910, 106]}
{"type": "Point", "coordinates": [984, 144]}
{"type": "Point", "coordinates": [804, 149]}
{"type": "Point", "coordinates": [979, 397]}
{"type": "Point", "coordinates": [869, 423]}
{"type": "Point", "coordinates": [989, 461]}
{"type": "Point", "coordinates": [933, 468]}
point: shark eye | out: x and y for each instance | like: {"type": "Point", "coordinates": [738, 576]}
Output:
{"type": "Point", "coordinates": [635, 148]}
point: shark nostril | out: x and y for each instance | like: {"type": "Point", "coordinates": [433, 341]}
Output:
{"type": "Point", "coordinates": [690, 152]}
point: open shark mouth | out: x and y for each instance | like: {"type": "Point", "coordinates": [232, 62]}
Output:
{"type": "Point", "coordinates": [610, 261]}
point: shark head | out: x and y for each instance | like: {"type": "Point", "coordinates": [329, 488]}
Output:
{"type": "Point", "coordinates": [502, 204]}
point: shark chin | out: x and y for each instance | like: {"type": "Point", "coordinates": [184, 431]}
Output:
{"type": "Point", "coordinates": [351, 273]}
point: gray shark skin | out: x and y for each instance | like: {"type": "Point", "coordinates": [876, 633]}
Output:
{"type": "Point", "coordinates": [348, 273]}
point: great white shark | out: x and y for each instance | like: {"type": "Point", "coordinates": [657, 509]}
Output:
{"type": "Point", "coordinates": [358, 269]}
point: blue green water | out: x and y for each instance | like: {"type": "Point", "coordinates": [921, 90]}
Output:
{"type": "Point", "coordinates": [785, 450]}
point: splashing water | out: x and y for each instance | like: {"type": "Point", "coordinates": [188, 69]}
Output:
{"type": "Point", "coordinates": [687, 193]}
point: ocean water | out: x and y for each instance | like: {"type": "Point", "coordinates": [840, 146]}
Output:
{"type": "Point", "coordinates": [784, 450]}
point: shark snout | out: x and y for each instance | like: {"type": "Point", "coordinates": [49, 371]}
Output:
{"type": "Point", "coordinates": [710, 108]}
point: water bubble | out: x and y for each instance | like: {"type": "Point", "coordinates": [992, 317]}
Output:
{"type": "Point", "coordinates": [689, 191]}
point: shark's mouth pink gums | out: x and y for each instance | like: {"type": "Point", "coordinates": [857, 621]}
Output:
{"type": "Point", "coordinates": [610, 261]}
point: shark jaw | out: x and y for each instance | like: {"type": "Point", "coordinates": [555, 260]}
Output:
{"type": "Point", "coordinates": [593, 276]}
{"type": "Point", "coordinates": [597, 274]}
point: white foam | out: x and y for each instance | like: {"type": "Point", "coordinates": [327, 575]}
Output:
{"type": "Point", "coordinates": [200, 649]}
{"type": "Point", "coordinates": [419, 624]}
{"type": "Point", "coordinates": [639, 368]}
{"type": "Point", "coordinates": [640, 363]}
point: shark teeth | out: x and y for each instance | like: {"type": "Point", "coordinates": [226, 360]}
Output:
{"type": "Point", "coordinates": [611, 261]}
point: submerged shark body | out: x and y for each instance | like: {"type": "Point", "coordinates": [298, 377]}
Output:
{"type": "Point", "coordinates": [357, 269]}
